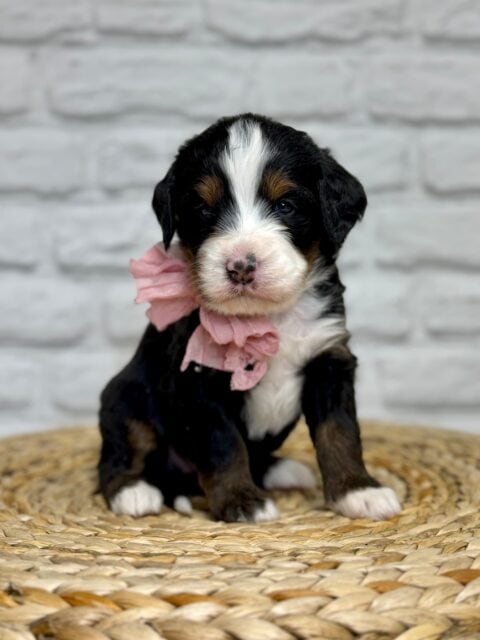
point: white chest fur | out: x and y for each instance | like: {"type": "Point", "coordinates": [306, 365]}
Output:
{"type": "Point", "coordinates": [276, 400]}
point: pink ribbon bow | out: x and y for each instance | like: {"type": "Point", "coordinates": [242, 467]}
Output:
{"type": "Point", "coordinates": [238, 344]}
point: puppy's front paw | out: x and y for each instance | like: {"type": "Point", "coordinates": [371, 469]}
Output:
{"type": "Point", "coordinates": [245, 505]}
{"type": "Point", "coordinates": [376, 503]}
{"type": "Point", "coordinates": [137, 500]}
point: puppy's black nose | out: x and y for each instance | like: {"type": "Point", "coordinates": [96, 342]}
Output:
{"type": "Point", "coordinates": [242, 271]}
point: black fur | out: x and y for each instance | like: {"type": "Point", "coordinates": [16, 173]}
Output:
{"type": "Point", "coordinates": [201, 440]}
{"type": "Point", "coordinates": [161, 204]}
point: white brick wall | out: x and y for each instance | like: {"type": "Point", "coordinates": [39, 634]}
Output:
{"type": "Point", "coordinates": [97, 94]}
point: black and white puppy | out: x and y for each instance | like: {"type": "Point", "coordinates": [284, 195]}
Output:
{"type": "Point", "coordinates": [246, 186]}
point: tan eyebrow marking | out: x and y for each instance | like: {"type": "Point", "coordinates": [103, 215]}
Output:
{"type": "Point", "coordinates": [276, 184]}
{"type": "Point", "coordinates": [210, 189]}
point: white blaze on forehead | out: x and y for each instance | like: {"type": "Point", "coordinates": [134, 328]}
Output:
{"type": "Point", "coordinates": [247, 228]}
{"type": "Point", "coordinates": [243, 162]}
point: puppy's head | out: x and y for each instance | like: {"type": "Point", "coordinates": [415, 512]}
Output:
{"type": "Point", "coordinates": [258, 207]}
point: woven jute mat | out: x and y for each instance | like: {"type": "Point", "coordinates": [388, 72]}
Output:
{"type": "Point", "coordinates": [70, 569]}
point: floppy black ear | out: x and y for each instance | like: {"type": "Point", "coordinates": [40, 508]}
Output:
{"type": "Point", "coordinates": [162, 206]}
{"type": "Point", "coordinates": [343, 200]}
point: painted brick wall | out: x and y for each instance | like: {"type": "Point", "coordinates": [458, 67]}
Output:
{"type": "Point", "coordinates": [95, 95]}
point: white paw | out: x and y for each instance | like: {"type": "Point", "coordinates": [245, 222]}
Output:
{"type": "Point", "coordinates": [375, 503]}
{"type": "Point", "coordinates": [182, 504]}
{"type": "Point", "coordinates": [289, 474]}
{"type": "Point", "coordinates": [267, 512]}
{"type": "Point", "coordinates": [137, 500]}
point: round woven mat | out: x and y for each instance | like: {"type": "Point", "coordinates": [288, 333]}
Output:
{"type": "Point", "coordinates": [69, 569]}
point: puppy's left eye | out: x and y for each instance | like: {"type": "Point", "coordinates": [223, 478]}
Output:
{"type": "Point", "coordinates": [284, 207]}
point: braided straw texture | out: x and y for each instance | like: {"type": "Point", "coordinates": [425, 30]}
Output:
{"type": "Point", "coordinates": [69, 569]}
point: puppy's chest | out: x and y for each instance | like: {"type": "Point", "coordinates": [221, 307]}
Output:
{"type": "Point", "coordinates": [304, 332]}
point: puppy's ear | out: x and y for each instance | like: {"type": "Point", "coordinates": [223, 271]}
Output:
{"type": "Point", "coordinates": [342, 198]}
{"type": "Point", "coordinates": [162, 206]}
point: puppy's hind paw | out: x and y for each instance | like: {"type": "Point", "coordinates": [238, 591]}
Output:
{"type": "Point", "coordinates": [288, 474]}
{"type": "Point", "coordinates": [182, 505]}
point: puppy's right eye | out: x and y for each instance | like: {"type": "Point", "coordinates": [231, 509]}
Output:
{"type": "Point", "coordinates": [204, 210]}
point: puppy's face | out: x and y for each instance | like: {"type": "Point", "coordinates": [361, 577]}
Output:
{"type": "Point", "coordinates": [258, 207]}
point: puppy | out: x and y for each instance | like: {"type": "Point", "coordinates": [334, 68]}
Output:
{"type": "Point", "coordinates": [260, 212]}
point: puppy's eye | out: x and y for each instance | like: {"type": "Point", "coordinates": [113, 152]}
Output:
{"type": "Point", "coordinates": [204, 210]}
{"type": "Point", "coordinates": [283, 207]}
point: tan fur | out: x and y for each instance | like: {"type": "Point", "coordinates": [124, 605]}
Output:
{"type": "Point", "coordinates": [210, 189]}
{"type": "Point", "coordinates": [276, 184]}
{"type": "Point", "coordinates": [141, 437]}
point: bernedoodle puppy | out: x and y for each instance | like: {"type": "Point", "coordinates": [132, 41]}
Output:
{"type": "Point", "coordinates": [247, 333]}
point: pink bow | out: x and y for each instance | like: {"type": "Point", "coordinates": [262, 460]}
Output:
{"type": "Point", "coordinates": [238, 344]}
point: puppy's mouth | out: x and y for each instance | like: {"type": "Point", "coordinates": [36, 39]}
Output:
{"type": "Point", "coordinates": [255, 297]}
{"type": "Point", "coordinates": [249, 274]}
{"type": "Point", "coordinates": [246, 304]}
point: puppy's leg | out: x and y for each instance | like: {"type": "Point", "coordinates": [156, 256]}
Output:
{"type": "Point", "coordinates": [126, 445]}
{"type": "Point", "coordinates": [214, 445]}
{"type": "Point", "coordinates": [330, 412]}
